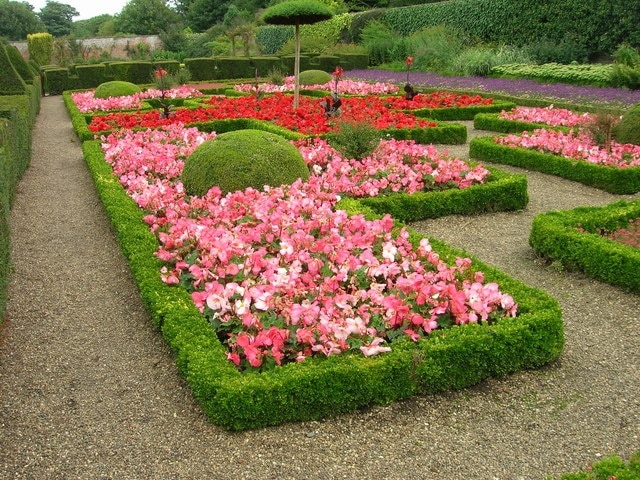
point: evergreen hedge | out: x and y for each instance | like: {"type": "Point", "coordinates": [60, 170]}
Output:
{"type": "Point", "coordinates": [573, 237]}
{"type": "Point", "coordinates": [611, 179]}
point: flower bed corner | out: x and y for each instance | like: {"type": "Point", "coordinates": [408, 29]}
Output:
{"type": "Point", "coordinates": [573, 238]}
{"type": "Point", "coordinates": [321, 387]}
{"type": "Point", "coordinates": [608, 178]}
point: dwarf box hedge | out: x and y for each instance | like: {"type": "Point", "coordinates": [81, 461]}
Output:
{"type": "Point", "coordinates": [460, 113]}
{"type": "Point", "coordinates": [573, 237]}
{"type": "Point", "coordinates": [611, 179]}
{"type": "Point", "coordinates": [322, 387]}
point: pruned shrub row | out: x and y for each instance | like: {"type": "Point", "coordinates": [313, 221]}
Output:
{"type": "Point", "coordinates": [611, 179]}
{"type": "Point", "coordinates": [574, 238]}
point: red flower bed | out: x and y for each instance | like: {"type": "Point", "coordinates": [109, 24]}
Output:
{"type": "Point", "coordinates": [437, 100]}
{"type": "Point", "coordinates": [309, 118]}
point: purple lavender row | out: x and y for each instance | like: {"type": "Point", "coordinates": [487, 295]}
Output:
{"type": "Point", "coordinates": [516, 87]}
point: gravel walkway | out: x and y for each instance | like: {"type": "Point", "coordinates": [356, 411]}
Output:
{"type": "Point", "coordinates": [88, 390]}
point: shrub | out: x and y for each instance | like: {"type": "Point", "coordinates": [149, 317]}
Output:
{"type": "Point", "coordinates": [314, 77]}
{"type": "Point", "coordinates": [40, 46]}
{"type": "Point", "coordinates": [241, 159]}
{"type": "Point", "coordinates": [628, 130]}
{"type": "Point", "coordinates": [436, 48]}
{"type": "Point", "coordinates": [355, 140]}
{"type": "Point", "coordinates": [115, 88]}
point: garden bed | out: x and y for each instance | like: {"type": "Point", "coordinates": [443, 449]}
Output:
{"type": "Point", "coordinates": [609, 178]}
{"type": "Point", "coordinates": [575, 238]}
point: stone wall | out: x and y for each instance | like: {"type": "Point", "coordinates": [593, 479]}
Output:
{"type": "Point", "coordinates": [112, 47]}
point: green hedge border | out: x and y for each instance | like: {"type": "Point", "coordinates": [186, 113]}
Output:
{"type": "Point", "coordinates": [611, 179]}
{"type": "Point", "coordinates": [461, 113]}
{"type": "Point", "coordinates": [493, 122]}
{"type": "Point", "coordinates": [555, 235]}
{"type": "Point", "coordinates": [319, 388]}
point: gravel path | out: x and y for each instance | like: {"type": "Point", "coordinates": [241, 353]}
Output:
{"type": "Point", "coordinates": [88, 390]}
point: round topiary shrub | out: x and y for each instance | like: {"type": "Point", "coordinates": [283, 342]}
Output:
{"type": "Point", "coordinates": [116, 88]}
{"type": "Point", "coordinates": [314, 77]}
{"type": "Point", "coordinates": [628, 130]}
{"type": "Point", "coordinates": [241, 159]}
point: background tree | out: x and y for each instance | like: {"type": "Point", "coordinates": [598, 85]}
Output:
{"type": "Point", "coordinates": [203, 14]}
{"type": "Point", "coordinates": [91, 26]}
{"type": "Point", "coordinates": [146, 17]}
{"type": "Point", "coordinates": [18, 20]}
{"type": "Point", "coordinates": [58, 17]}
{"type": "Point", "coordinates": [238, 23]}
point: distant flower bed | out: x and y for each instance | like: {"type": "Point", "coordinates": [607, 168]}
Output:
{"type": "Point", "coordinates": [281, 274]}
{"type": "Point", "coordinates": [309, 118]}
{"type": "Point", "coordinates": [350, 87]}
{"type": "Point", "coordinates": [549, 115]}
{"type": "Point", "coordinates": [437, 100]}
{"type": "Point", "coordinates": [575, 145]}
{"type": "Point", "coordinates": [87, 103]}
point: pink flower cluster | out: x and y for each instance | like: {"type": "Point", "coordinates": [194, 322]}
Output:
{"type": "Point", "coordinates": [350, 87]}
{"type": "Point", "coordinates": [86, 102]}
{"type": "Point", "coordinates": [394, 166]}
{"type": "Point", "coordinates": [549, 115]}
{"type": "Point", "coordinates": [576, 145]}
{"type": "Point", "coordinates": [281, 274]}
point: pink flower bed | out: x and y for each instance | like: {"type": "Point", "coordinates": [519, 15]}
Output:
{"type": "Point", "coordinates": [350, 87]}
{"type": "Point", "coordinates": [281, 274]}
{"type": "Point", "coordinates": [575, 145]}
{"type": "Point", "coordinates": [549, 115]}
{"type": "Point", "coordinates": [395, 166]}
{"type": "Point", "coordinates": [87, 103]}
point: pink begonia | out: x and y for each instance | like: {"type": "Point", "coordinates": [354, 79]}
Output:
{"type": "Point", "coordinates": [350, 87]}
{"type": "Point", "coordinates": [280, 273]}
{"type": "Point", "coordinates": [549, 115]}
{"type": "Point", "coordinates": [575, 145]}
{"type": "Point", "coordinates": [86, 102]}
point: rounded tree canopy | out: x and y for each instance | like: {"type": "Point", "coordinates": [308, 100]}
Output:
{"type": "Point", "coordinates": [297, 12]}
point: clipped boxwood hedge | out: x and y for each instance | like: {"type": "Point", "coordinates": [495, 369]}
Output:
{"type": "Point", "coordinates": [611, 179]}
{"type": "Point", "coordinates": [572, 237]}
{"type": "Point", "coordinates": [460, 113]}
{"type": "Point", "coordinates": [322, 387]}
{"type": "Point", "coordinates": [493, 122]}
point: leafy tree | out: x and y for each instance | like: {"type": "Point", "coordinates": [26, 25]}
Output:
{"type": "Point", "coordinates": [18, 20]}
{"type": "Point", "coordinates": [204, 14]}
{"type": "Point", "coordinates": [90, 27]}
{"type": "Point", "coordinates": [238, 23]}
{"type": "Point", "coordinates": [146, 17]}
{"type": "Point", "coordinates": [58, 17]}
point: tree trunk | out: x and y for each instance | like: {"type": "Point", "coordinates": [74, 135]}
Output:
{"type": "Point", "coordinates": [296, 69]}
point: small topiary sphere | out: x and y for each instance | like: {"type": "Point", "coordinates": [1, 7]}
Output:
{"type": "Point", "coordinates": [314, 77]}
{"type": "Point", "coordinates": [241, 159]}
{"type": "Point", "coordinates": [628, 130]}
{"type": "Point", "coordinates": [116, 88]}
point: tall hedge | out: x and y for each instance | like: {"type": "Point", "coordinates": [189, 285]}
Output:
{"type": "Point", "coordinates": [40, 46]}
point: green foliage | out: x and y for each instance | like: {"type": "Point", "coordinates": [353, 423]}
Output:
{"type": "Point", "coordinates": [90, 76]}
{"type": "Point", "coordinates": [493, 122]}
{"type": "Point", "coordinates": [611, 179]}
{"type": "Point", "coordinates": [138, 72]}
{"type": "Point", "coordinates": [90, 27]}
{"type": "Point", "coordinates": [314, 77]}
{"type": "Point", "coordinates": [436, 47]}
{"type": "Point", "coordinates": [11, 83]}
{"type": "Point", "coordinates": [628, 130]}
{"type": "Point", "coordinates": [625, 54]}
{"type": "Point", "coordinates": [18, 20]}
{"type": "Point", "coordinates": [40, 47]}
{"type": "Point", "coordinates": [461, 113]}
{"type": "Point", "coordinates": [241, 159]}
{"type": "Point", "coordinates": [624, 76]}
{"type": "Point", "coordinates": [56, 80]}
{"type": "Point", "coordinates": [58, 17]}
{"type": "Point", "coordinates": [26, 71]}
{"type": "Point", "coordinates": [361, 20]}
{"type": "Point", "coordinates": [145, 17]}
{"type": "Point", "coordinates": [382, 43]}
{"type": "Point", "coordinates": [296, 12]}
{"type": "Point", "coordinates": [115, 88]}
{"type": "Point", "coordinates": [566, 50]}
{"type": "Point", "coordinates": [355, 139]}
{"type": "Point", "coordinates": [479, 61]}
{"type": "Point", "coordinates": [271, 38]}
{"type": "Point", "coordinates": [203, 68]}
{"type": "Point", "coordinates": [574, 74]}
{"type": "Point", "coordinates": [573, 237]}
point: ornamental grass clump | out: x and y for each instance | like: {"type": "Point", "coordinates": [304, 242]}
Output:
{"type": "Point", "coordinates": [241, 159]}
{"type": "Point", "coordinates": [355, 139]}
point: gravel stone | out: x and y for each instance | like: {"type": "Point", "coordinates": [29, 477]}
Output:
{"type": "Point", "coordinates": [89, 390]}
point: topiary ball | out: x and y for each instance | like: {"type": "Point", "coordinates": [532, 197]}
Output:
{"type": "Point", "coordinates": [241, 159]}
{"type": "Point", "coordinates": [116, 88]}
{"type": "Point", "coordinates": [628, 130]}
{"type": "Point", "coordinates": [314, 77]}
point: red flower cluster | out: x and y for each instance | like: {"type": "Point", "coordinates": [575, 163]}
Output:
{"type": "Point", "coordinates": [309, 118]}
{"type": "Point", "coordinates": [437, 100]}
